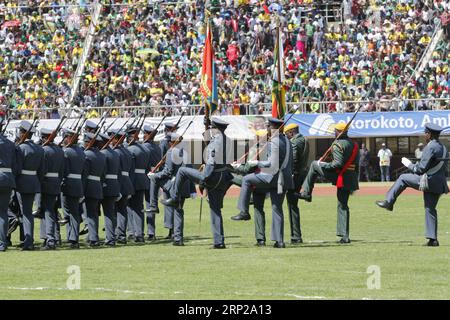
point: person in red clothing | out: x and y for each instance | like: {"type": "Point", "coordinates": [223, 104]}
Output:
{"type": "Point", "coordinates": [233, 53]}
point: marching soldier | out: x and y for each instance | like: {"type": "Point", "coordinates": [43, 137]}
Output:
{"type": "Point", "coordinates": [274, 176]}
{"type": "Point", "coordinates": [342, 171]}
{"type": "Point", "coordinates": [164, 179]}
{"type": "Point", "coordinates": [90, 127]}
{"type": "Point", "coordinates": [51, 188]}
{"type": "Point", "coordinates": [427, 175]}
{"type": "Point", "coordinates": [111, 190]}
{"type": "Point", "coordinates": [126, 186]}
{"type": "Point", "coordinates": [30, 160]}
{"type": "Point", "coordinates": [155, 156]}
{"type": "Point", "coordinates": [215, 178]}
{"type": "Point", "coordinates": [8, 170]}
{"type": "Point", "coordinates": [138, 175]}
{"type": "Point", "coordinates": [164, 143]}
{"type": "Point", "coordinates": [300, 153]}
{"type": "Point", "coordinates": [72, 186]}
{"type": "Point", "coordinates": [93, 179]}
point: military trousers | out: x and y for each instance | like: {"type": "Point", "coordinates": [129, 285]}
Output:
{"type": "Point", "coordinates": [122, 218]}
{"type": "Point", "coordinates": [48, 202]}
{"type": "Point", "coordinates": [178, 222]}
{"type": "Point", "coordinates": [136, 213]}
{"type": "Point", "coordinates": [71, 210]}
{"type": "Point", "coordinates": [256, 181]}
{"type": "Point", "coordinates": [110, 213]}
{"type": "Point", "coordinates": [294, 210]}
{"type": "Point", "coordinates": [5, 195]}
{"type": "Point", "coordinates": [409, 180]}
{"type": "Point", "coordinates": [259, 199]}
{"type": "Point", "coordinates": [151, 200]}
{"type": "Point", "coordinates": [26, 201]}
{"type": "Point", "coordinates": [92, 209]}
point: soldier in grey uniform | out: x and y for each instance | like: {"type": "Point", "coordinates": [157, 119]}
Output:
{"type": "Point", "coordinates": [126, 186]}
{"type": "Point", "coordinates": [111, 190]}
{"type": "Point", "coordinates": [90, 126]}
{"type": "Point", "coordinates": [30, 161]}
{"type": "Point", "coordinates": [164, 143]}
{"type": "Point", "coordinates": [51, 188]}
{"type": "Point", "coordinates": [276, 177]}
{"type": "Point", "coordinates": [215, 178]}
{"type": "Point", "coordinates": [155, 156]}
{"type": "Point", "coordinates": [93, 179]}
{"type": "Point", "coordinates": [164, 179]}
{"type": "Point", "coordinates": [300, 153]}
{"type": "Point", "coordinates": [427, 175]}
{"type": "Point", "coordinates": [72, 186]}
{"type": "Point", "coordinates": [8, 170]}
{"type": "Point", "coordinates": [141, 165]}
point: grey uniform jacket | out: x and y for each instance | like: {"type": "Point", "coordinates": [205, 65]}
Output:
{"type": "Point", "coordinates": [111, 187]}
{"type": "Point", "coordinates": [126, 165]}
{"type": "Point", "coordinates": [279, 162]}
{"type": "Point", "coordinates": [74, 159]}
{"type": "Point", "coordinates": [141, 160]}
{"type": "Point", "coordinates": [93, 173]}
{"type": "Point", "coordinates": [164, 145]}
{"type": "Point", "coordinates": [217, 170]}
{"type": "Point", "coordinates": [437, 182]}
{"type": "Point", "coordinates": [8, 163]}
{"type": "Point", "coordinates": [154, 155]}
{"type": "Point", "coordinates": [54, 161]}
{"type": "Point", "coordinates": [30, 157]}
{"type": "Point", "coordinates": [167, 175]}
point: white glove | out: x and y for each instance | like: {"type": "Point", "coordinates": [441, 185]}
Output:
{"type": "Point", "coordinates": [151, 175]}
{"type": "Point", "coordinates": [119, 197]}
{"type": "Point", "coordinates": [320, 163]}
{"type": "Point", "coordinates": [81, 200]}
{"type": "Point", "coordinates": [252, 162]}
{"type": "Point", "coordinates": [406, 162]}
{"type": "Point", "coordinates": [235, 164]}
{"type": "Point", "coordinates": [193, 195]}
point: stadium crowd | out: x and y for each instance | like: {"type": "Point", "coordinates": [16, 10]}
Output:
{"type": "Point", "coordinates": [149, 52]}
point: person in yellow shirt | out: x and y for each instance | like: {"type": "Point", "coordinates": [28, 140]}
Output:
{"type": "Point", "coordinates": [425, 39]}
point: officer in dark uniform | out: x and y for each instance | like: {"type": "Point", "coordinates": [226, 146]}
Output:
{"type": "Point", "coordinates": [164, 179]}
{"type": "Point", "coordinates": [342, 171]}
{"type": "Point", "coordinates": [72, 185]}
{"type": "Point", "coordinates": [93, 179]}
{"type": "Point", "coordinates": [141, 161]}
{"type": "Point", "coordinates": [126, 185]}
{"type": "Point", "coordinates": [155, 156]}
{"type": "Point", "coordinates": [427, 175]}
{"type": "Point", "coordinates": [274, 176]}
{"type": "Point", "coordinates": [51, 187]}
{"type": "Point", "coordinates": [215, 178]}
{"type": "Point", "coordinates": [8, 170]}
{"type": "Point", "coordinates": [111, 190]}
{"type": "Point", "coordinates": [30, 161]}
{"type": "Point", "coordinates": [300, 152]}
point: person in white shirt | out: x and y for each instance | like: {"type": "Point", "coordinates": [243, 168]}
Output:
{"type": "Point", "coordinates": [385, 162]}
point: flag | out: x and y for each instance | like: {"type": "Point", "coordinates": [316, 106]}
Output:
{"type": "Point", "coordinates": [278, 89]}
{"type": "Point", "coordinates": [208, 85]}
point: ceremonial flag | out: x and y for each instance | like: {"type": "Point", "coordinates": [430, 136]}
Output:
{"type": "Point", "coordinates": [208, 85]}
{"type": "Point", "coordinates": [278, 89]}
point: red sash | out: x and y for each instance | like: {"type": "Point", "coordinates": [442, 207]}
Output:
{"type": "Point", "coordinates": [340, 179]}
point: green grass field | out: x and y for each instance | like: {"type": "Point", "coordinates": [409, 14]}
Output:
{"type": "Point", "coordinates": [318, 269]}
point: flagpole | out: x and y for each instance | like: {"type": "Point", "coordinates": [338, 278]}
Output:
{"type": "Point", "coordinates": [279, 89]}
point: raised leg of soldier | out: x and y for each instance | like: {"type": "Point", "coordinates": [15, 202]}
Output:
{"type": "Point", "coordinates": [315, 170]}
{"type": "Point", "coordinates": [249, 183]}
{"type": "Point", "coordinates": [277, 233]}
{"type": "Point", "coordinates": [48, 209]}
{"type": "Point", "coordinates": [260, 218]}
{"type": "Point", "coordinates": [109, 210]}
{"type": "Point", "coordinates": [26, 207]}
{"type": "Point", "coordinates": [122, 219]}
{"type": "Point", "coordinates": [92, 206]}
{"type": "Point", "coordinates": [404, 181]}
{"type": "Point", "coordinates": [5, 194]}
{"type": "Point", "coordinates": [343, 215]}
{"type": "Point", "coordinates": [431, 220]}
{"type": "Point", "coordinates": [215, 204]}
{"type": "Point", "coordinates": [182, 176]}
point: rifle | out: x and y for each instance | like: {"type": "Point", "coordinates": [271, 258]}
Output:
{"type": "Point", "coordinates": [75, 124]}
{"type": "Point", "coordinates": [112, 138]}
{"type": "Point", "coordinates": [100, 125]}
{"type": "Point", "coordinates": [179, 139]}
{"type": "Point", "coordinates": [74, 138]}
{"type": "Point", "coordinates": [25, 136]}
{"type": "Point", "coordinates": [6, 125]}
{"type": "Point", "coordinates": [110, 125]}
{"type": "Point", "coordinates": [122, 137]}
{"type": "Point", "coordinates": [52, 136]}
{"type": "Point", "coordinates": [136, 134]}
{"type": "Point", "coordinates": [152, 135]}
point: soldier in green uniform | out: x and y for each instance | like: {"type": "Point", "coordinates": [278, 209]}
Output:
{"type": "Point", "coordinates": [300, 152]}
{"type": "Point", "coordinates": [342, 171]}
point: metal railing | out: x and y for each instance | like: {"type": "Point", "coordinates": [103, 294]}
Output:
{"type": "Point", "coordinates": [374, 105]}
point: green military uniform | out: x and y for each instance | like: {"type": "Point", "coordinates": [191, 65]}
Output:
{"type": "Point", "coordinates": [300, 155]}
{"type": "Point", "coordinates": [341, 152]}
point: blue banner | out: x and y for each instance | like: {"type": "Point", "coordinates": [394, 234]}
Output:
{"type": "Point", "coordinates": [371, 124]}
